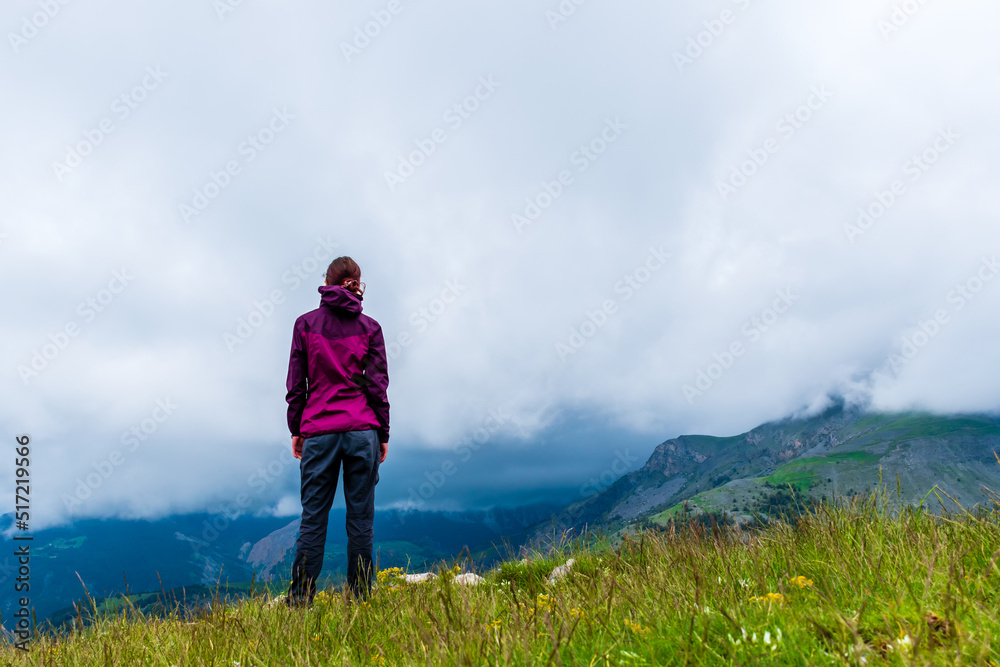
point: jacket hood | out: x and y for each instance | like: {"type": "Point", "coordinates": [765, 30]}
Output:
{"type": "Point", "coordinates": [338, 298]}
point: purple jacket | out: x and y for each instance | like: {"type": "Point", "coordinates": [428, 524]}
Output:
{"type": "Point", "coordinates": [338, 373]}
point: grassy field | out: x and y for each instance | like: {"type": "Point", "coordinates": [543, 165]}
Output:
{"type": "Point", "coordinates": [849, 585]}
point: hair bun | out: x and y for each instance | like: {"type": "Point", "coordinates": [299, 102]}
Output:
{"type": "Point", "coordinates": [353, 286]}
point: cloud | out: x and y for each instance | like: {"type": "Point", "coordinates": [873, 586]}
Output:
{"type": "Point", "coordinates": [748, 165]}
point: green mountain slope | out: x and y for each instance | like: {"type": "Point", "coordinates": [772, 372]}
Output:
{"type": "Point", "coordinates": [109, 555]}
{"type": "Point", "coordinates": [839, 452]}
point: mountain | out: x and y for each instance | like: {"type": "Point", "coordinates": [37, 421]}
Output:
{"type": "Point", "coordinates": [202, 550]}
{"type": "Point", "coordinates": [840, 452]}
{"type": "Point", "coordinates": [410, 539]}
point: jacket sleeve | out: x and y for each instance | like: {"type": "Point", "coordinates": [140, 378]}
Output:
{"type": "Point", "coordinates": [377, 382]}
{"type": "Point", "coordinates": [298, 379]}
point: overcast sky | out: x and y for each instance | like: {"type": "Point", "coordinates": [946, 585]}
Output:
{"type": "Point", "coordinates": [598, 225]}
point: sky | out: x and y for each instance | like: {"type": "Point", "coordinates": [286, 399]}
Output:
{"type": "Point", "coordinates": [585, 227]}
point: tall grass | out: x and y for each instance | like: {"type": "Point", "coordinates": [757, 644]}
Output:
{"type": "Point", "coordinates": [854, 584]}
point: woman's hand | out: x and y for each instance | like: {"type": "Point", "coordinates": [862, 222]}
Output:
{"type": "Point", "coordinates": [297, 441]}
{"type": "Point", "coordinates": [384, 447]}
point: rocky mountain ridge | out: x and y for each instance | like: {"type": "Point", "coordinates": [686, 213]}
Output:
{"type": "Point", "coordinates": [838, 452]}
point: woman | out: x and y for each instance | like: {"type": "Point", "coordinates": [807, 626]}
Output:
{"type": "Point", "coordinates": [338, 414]}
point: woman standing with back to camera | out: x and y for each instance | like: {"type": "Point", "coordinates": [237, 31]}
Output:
{"type": "Point", "coordinates": [338, 414]}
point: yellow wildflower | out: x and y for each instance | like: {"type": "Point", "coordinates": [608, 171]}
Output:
{"type": "Point", "coordinates": [769, 597]}
{"type": "Point", "coordinates": [389, 576]}
{"type": "Point", "coordinates": [801, 581]}
{"type": "Point", "coordinates": [577, 613]}
{"type": "Point", "coordinates": [636, 628]}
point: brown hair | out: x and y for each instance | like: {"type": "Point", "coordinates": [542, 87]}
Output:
{"type": "Point", "coordinates": [345, 272]}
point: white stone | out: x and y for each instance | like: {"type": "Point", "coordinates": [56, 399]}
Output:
{"type": "Point", "coordinates": [561, 571]}
{"type": "Point", "coordinates": [468, 579]}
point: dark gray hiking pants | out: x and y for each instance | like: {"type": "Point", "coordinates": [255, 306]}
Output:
{"type": "Point", "coordinates": [322, 457]}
